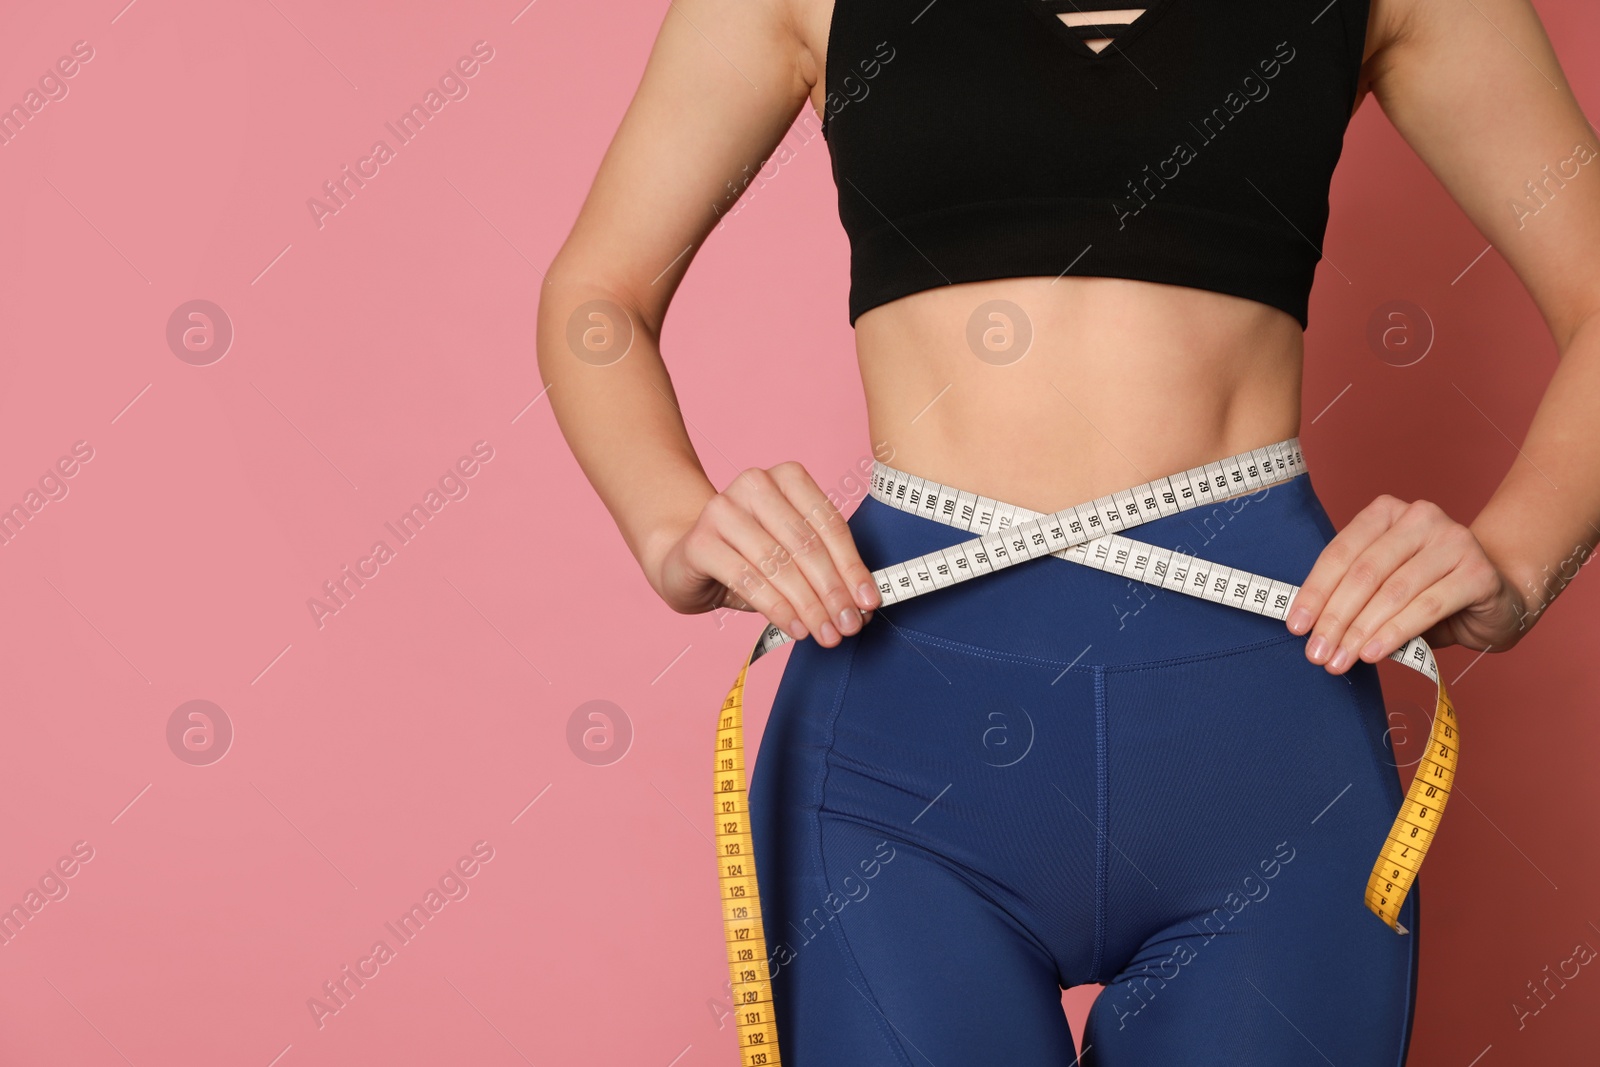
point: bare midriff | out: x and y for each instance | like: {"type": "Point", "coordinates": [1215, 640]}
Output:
{"type": "Point", "coordinates": [1120, 382]}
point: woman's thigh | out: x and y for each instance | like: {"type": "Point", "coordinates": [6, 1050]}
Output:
{"type": "Point", "coordinates": [907, 914]}
{"type": "Point", "coordinates": [1249, 794]}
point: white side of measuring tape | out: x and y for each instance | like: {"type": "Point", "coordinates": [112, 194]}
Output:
{"type": "Point", "coordinates": [1088, 534]}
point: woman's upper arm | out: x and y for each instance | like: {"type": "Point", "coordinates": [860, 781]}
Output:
{"type": "Point", "coordinates": [724, 81]}
{"type": "Point", "coordinates": [1474, 87]}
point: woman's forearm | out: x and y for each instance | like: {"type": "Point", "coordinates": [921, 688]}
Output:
{"type": "Point", "coordinates": [600, 359]}
{"type": "Point", "coordinates": [1544, 519]}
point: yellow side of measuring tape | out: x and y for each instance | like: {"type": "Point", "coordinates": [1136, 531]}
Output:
{"type": "Point", "coordinates": [1088, 534]}
{"type": "Point", "coordinates": [1414, 828]}
{"type": "Point", "coordinates": [741, 901]}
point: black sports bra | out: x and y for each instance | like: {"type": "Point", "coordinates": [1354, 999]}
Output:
{"type": "Point", "coordinates": [978, 139]}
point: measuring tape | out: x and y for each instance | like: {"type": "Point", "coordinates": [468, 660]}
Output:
{"type": "Point", "coordinates": [1089, 534]}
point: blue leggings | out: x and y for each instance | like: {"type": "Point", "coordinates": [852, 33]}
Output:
{"type": "Point", "coordinates": [1054, 776]}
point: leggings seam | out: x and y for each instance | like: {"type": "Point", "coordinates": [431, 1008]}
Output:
{"type": "Point", "coordinates": [820, 865]}
{"type": "Point", "coordinates": [1001, 656]}
{"type": "Point", "coordinates": [1200, 657]}
{"type": "Point", "coordinates": [1102, 857]}
{"type": "Point", "coordinates": [981, 652]}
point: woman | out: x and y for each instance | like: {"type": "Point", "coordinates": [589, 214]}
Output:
{"type": "Point", "coordinates": [1082, 242]}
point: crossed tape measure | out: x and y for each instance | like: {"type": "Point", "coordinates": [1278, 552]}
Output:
{"type": "Point", "coordinates": [1089, 534]}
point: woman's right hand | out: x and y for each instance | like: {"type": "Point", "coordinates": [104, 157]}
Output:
{"type": "Point", "coordinates": [771, 542]}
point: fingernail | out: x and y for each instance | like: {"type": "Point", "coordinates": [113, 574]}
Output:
{"type": "Point", "coordinates": [1372, 650]}
{"type": "Point", "coordinates": [849, 620]}
{"type": "Point", "coordinates": [797, 629]}
{"type": "Point", "coordinates": [1317, 649]}
{"type": "Point", "coordinates": [867, 595]}
{"type": "Point", "coordinates": [1299, 620]}
{"type": "Point", "coordinates": [830, 636]}
{"type": "Point", "coordinates": [1341, 659]}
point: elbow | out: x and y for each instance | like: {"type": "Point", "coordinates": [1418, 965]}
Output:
{"type": "Point", "coordinates": [1569, 329]}
{"type": "Point", "coordinates": [590, 316]}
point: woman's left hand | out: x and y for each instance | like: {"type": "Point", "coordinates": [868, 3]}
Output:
{"type": "Point", "coordinates": [1396, 571]}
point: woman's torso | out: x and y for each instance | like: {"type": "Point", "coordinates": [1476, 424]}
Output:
{"type": "Point", "coordinates": [1121, 380]}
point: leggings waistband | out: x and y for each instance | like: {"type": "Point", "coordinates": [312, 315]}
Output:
{"type": "Point", "coordinates": [1060, 611]}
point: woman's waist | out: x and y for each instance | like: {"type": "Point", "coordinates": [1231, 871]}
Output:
{"type": "Point", "coordinates": [1044, 467]}
{"type": "Point", "coordinates": [1066, 424]}
{"type": "Point", "coordinates": [1055, 608]}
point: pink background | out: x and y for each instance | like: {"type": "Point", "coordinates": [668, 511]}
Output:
{"type": "Point", "coordinates": [370, 753]}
